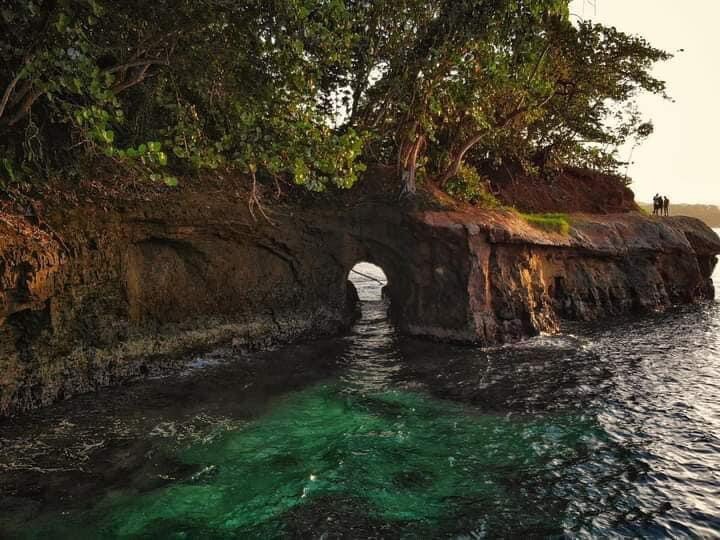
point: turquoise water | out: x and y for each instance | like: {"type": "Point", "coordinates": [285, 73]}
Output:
{"type": "Point", "coordinates": [599, 432]}
{"type": "Point", "coordinates": [405, 460]}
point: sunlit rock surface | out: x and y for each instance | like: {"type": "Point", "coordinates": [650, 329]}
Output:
{"type": "Point", "coordinates": [91, 297]}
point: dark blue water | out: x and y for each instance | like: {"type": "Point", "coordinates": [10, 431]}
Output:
{"type": "Point", "coordinates": [604, 431]}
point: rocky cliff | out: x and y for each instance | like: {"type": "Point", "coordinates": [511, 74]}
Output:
{"type": "Point", "coordinates": [96, 295]}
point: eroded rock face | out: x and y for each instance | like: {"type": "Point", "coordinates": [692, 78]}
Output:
{"type": "Point", "coordinates": [93, 298]}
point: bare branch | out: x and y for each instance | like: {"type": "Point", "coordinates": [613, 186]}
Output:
{"type": "Point", "coordinates": [11, 87]}
{"type": "Point", "coordinates": [137, 79]}
{"type": "Point", "coordinates": [539, 62]}
{"type": "Point", "coordinates": [25, 107]}
{"type": "Point", "coordinates": [21, 93]}
{"type": "Point", "coordinates": [147, 62]}
{"type": "Point", "coordinates": [9, 90]}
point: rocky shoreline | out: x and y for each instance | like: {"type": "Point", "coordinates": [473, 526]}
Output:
{"type": "Point", "coordinates": [92, 296]}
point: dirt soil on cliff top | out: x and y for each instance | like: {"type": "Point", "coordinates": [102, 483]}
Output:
{"type": "Point", "coordinates": [573, 190]}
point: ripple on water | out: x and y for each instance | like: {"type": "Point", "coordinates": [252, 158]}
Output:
{"type": "Point", "coordinates": [612, 430]}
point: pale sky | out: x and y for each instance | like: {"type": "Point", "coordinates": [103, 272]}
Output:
{"type": "Point", "coordinates": [681, 159]}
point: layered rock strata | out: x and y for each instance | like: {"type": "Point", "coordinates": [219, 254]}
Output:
{"type": "Point", "coordinates": [90, 297]}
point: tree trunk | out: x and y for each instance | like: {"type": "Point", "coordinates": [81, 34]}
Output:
{"type": "Point", "coordinates": [24, 109]}
{"type": "Point", "coordinates": [454, 167]}
{"type": "Point", "coordinates": [409, 166]}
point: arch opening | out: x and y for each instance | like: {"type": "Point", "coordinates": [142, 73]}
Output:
{"type": "Point", "coordinates": [369, 281]}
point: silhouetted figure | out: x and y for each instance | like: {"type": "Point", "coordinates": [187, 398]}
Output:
{"type": "Point", "coordinates": [666, 206]}
{"type": "Point", "coordinates": [657, 205]}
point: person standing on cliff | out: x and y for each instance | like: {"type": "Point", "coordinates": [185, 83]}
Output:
{"type": "Point", "coordinates": [666, 206]}
{"type": "Point", "coordinates": [657, 205]}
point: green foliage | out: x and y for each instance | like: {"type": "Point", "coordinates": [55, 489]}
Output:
{"type": "Point", "coordinates": [469, 186]}
{"type": "Point", "coordinates": [308, 91]}
{"type": "Point", "coordinates": [557, 223]}
{"type": "Point", "coordinates": [509, 81]}
{"type": "Point", "coordinates": [179, 86]}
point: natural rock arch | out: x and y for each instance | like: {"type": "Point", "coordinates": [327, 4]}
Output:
{"type": "Point", "coordinates": [400, 286]}
{"type": "Point", "coordinates": [158, 281]}
{"type": "Point", "coordinates": [369, 279]}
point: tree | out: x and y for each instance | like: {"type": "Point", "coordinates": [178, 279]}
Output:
{"type": "Point", "coordinates": [471, 70]}
{"type": "Point", "coordinates": [309, 91]}
{"type": "Point", "coordinates": [201, 84]}
{"type": "Point", "coordinates": [508, 80]}
{"type": "Point", "coordinates": [593, 111]}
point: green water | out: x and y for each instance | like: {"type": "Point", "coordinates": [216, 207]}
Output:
{"type": "Point", "coordinates": [612, 431]}
{"type": "Point", "coordinates": [399, 458]}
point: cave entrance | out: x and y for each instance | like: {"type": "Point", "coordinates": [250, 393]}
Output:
{"type": "Point", "coordinates": [369, 280]}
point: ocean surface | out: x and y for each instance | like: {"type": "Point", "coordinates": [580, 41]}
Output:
{"type": "Point", "coordinates": [608, 430]}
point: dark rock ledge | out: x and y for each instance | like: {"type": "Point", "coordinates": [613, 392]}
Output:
{"type": "Point", "coordinates": [91, 298]}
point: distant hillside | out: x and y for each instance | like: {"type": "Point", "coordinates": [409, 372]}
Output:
{"type": "Point", "coordinates": [709, 213]}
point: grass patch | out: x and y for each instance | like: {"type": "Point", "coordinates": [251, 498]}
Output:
{"type": "Point", "coordinates": [557, 223]}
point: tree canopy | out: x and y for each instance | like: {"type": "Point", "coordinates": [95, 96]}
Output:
{"type": "Point", "coordinates": [310, 92]}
